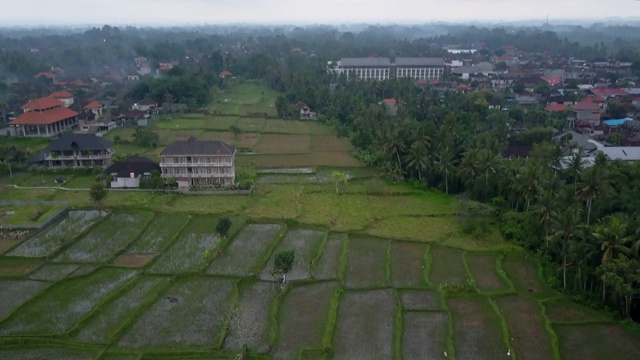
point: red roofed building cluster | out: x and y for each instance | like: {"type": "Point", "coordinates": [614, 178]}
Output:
{"type": "Point", "coordinates": [44, 117]}
{"type": "Point", "coordinates": [64, 96]}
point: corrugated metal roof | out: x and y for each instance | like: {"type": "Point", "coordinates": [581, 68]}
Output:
{"type": "Point", "coordinates": [625, 153]}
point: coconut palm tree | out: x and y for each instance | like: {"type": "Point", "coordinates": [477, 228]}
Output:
{"type": "Point", "coordinates": [591, 188]}
{"type": "Point", "coordinates": [417, 159]}
{"type": "Point", "coordinates": [445, 164]}
{"type": "Point", "coordinates": [565, 226]}
{"type": "Point", "coordinates": [611, 234]}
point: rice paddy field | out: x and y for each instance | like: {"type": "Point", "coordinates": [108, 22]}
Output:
{"type": "Point", "coordinates": [141, 284]}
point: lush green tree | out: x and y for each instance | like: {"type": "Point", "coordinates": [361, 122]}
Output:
{"type": "Point", "coordinates": [339, 178]}
{"type": "Point", "coordinates": [565, 226]}
{"type": "Point", "coordinates": [282, 264]}
{"type": "Point", "coordinates": [98, 192]}
{"type": "Point", "coordinates": [144, 136]}
{"type": "Point", "coordinates": [235, 130]}
{"type": "Point", "coordinates": [224, 224]}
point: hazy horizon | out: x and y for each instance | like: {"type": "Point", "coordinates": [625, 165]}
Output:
{"type": "Point", "coordinates": [202, 12]}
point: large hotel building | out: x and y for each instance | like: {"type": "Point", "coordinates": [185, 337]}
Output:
{"type": "Point", "coordinates": [374, 68]}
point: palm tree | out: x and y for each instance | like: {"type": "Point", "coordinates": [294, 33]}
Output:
{"type": "Point", "coordinates": [565, 225]}
{"type": "Point", "coordinates": [488, 164]}
{"type": "Point", "coordinates": [546, 210]}
{"type": "Point", "coordinates": [575, 165]}
{"type": "Point", "coordinates": [444, 164]}
{"type": "Point", "coordinates": [469, 166]}
{"type": "Point", "coordinates": [591, 189]}
{"type": "Point", "coordinates": [394, 145]}
{"type": "Point", "coordinates": [528, 182]}
{"type": "Point", "coordinates": [611, 234]}
{"type": "Point", "coordinates": [417, 158]}
{"type": "Point", "coordinates": [582, 251]}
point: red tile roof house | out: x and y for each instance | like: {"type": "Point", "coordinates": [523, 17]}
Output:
{"type": "Point", "coordinates": [225, 74]}
{"type": "Point", "coordinates": [96, 108]}
{"type": "Point", "coordinates": [608, 92]}
{"type": "Point", "coordinates": [64, 96]}
{"type": "Point", "coordinates": [44, 117]}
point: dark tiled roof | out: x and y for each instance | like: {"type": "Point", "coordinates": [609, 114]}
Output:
{"type": "Point", "coordinates": [135, 164]}
{"type": "Point", "coordinates": [371, 61]}
{"type": "Point", "coordinates": [69, 142]}
{"type": "Point", "coordinates": [517, 151]}
{"type": "Point", "coordinates": [419, 61]}
{"type": "Point", "coordinates": [198, 148]}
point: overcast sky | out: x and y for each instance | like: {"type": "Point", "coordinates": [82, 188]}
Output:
{"type": "Point", "coordinates": [169, 12]}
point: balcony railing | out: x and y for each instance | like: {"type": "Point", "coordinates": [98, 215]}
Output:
{"type": "Point", "coordinates": [79, 157]}
{"type": "Point", "coordinates": [195, 164]}
{"type": "Point", "coordinates": [192, 175]}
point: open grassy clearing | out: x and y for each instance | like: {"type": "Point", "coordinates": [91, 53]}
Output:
{"type": "Point", "coordinates": [274, 203]}
{"type": "Point", "coordinates": [103, 324]}
{"type": "Point", "coordinates": [523, 273]}
{"type": "Point", "coordinates": [249, 323]}
{"type": "Point", "coordinates": [306, 244]}
{"type": "Point", "coordinates": [72, 299]}
{"type": "Point", "coordinates": [528, 335]}
{"type": "Point", "coordinates": [283, 144]}
{"type": "Point", "coordinates": [367, 263]}
{"type": "Point", "coordinates": [14, 267]}
{"type": "Point", "coordinates": [365, 325]}
{"type": "Point", "coordinates": [322, 143]}
{"type": "Point", "coordinates": [192, 250]}
{"type": "Point", "coordinates": [247, 251]}
{"type": "Point", "coordinates": [251, 124]}
{"type": "Point", "coordinates": [28, 214]}
{"type": "Point", "coordinates": [483, 269]}
{"type": "Point", "coordinates": [7, 244]}
{"type": "Point", "coordinates": [302, 317]}
{"type": "Point", "coordinates": [420, 300]}
{"type": "Point", "coordinates": [189, 314]}
{"type": "Point", "coordinates": [447, 267]}
{"type": "Point", "coordinates": [408, 264]}
{"type": "Point", "coordinates": [326, 158]}
{"type": "Point", "coordinates": [226, 137]}
{"type": "Point", "coordinates": [327, 267]}
{"type": "Point", "coordinates": [20, 292]}
{"type": "Point", "coordinates": [48, 241]}
{"type": "Point", "coordinates": [243, 97]}
{"type": "Point", "coordinates": [424, 335]}
{"type": "Point", "coordinates": [159, 234]}
{"type": "Point", "coordinates": [53, 272]}
{"type": "Point", "coordinates": [596, 341]}
{"type": "Point", "coordinates": [477, 329]}
{"type": "Point", "coordinates": [567, 312]}
{"type": "Point", "coordinates": [109, 237]}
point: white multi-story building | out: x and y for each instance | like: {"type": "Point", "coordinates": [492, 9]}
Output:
{"type": "Point", "coordinates": [199, 162]}
{"type": "Point", "coordinates": [419, 68]}
{"type": "Point", "coordinates": [375, 68]}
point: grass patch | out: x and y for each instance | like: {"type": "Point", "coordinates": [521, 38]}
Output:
{"type": "Point", "coordinates": [102, 325]}
{"type": "Point", "coordinates": [31, 214]}
{"type": "Point", "coordinates": [568, 312]}
{"type": "Point", "coordinates": [330, 143]}
{"type": "Point", "coordinates": [161, 231]}
{"type": "Point", "coordinates": [251, 124]}
{"type": "Point", "coordinates": [447, 267]}
{"type": "Point", "coordinates": [275, 202]}
{"type": "Point", "coordinates": [476, 328]}
{"type": "Point", "coordinates": [424, 334]}
{"type": "Point", "coordinates": [50, 240]}
{"type": "Point", "coordinates": [16, 266]}
{"type": "Point", "coordinates": [108, 238]}
{"type": "Point", "coordinates": [328, 265]}
{"type": "Point", "coordinates": [71, 299]}
{"type": "Point", "coordinates": [189, 314]}
{"type": "Point", "coordinates": [226, 137]}
{"type": "Point", "coordinates": [483, 270]}
{"type": "Point", "coordinates": [302, 317]}
{"type": "Point", "coordinates": [305, 243]}
{"type": "Point", "coordinates": [283, 144]}
{"type": "Point", "coordinates": [365, 325]}
{"type": "Point", "coordinates": [524, 275]}
{"type": "Point", "coordinates": [420, 300]}
{"type": "Point", "coordinates": [324, 158]}
{"type": "Point", "coordinates": [596, 341]}
{"type": "Point", "coordinates": [246, 251]}
{"type": "Point", "coordinates": [367, 263]}
{"type": "Point", "coordinates": [407, 264]}
{"type": "Point", "coordinates": [21, 291]}
{"type": "Point", "coordinates": [529, 337]}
